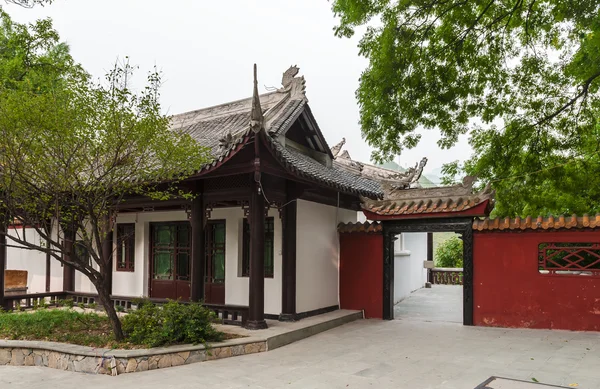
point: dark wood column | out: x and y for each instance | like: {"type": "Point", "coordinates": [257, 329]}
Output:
{"type": "Point", "coordinates": [429, 255]}
{"type": "Point", "coordinates": [256, 314]}
{"type": "Point", "coordinates": [198, 221]}
{"type": "Point", "coordinates": [107, 253]}
{"type": "Point", "coordinates": [69, 271]}
{"type": "Point", "coordinates": [288, 277]}
{"type": "Point", "coordinates": [388, 273]}
{"type": "Point", "coordinates": [2, 264]}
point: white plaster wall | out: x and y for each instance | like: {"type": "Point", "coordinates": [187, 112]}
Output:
{"type": "Point", "coordinates": [136, 283]}
{"type": "Point", "coordinates": [236, 286]}
{"type": "Point", "coordinates": [317, 254]}
{"type": "Point", "coordinates": [410, 250]}
{"type": "Point", "coordinates": [33, 261]}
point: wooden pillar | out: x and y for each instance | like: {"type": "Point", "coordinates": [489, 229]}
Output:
{"type": "Point", "coordinates": [107, 253]}
{"type": "Point", "coordinates": [198, 222]}
{"type": "Point", "coordinates": [288, 279]}
{"type": "Point", "coordinates": [430, 255]}
{"type": "Point", "coordinates": [256, 314]}
{"type": "Point", "coordinates": [388, 273]}
{"type": "Point", "coordinates": [3, 304]}
{"type": "Point", "coordinates": [68, 271]}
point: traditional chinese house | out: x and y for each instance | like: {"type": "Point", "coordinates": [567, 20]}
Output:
{"type": "Point", "coordinates": [262, 232]}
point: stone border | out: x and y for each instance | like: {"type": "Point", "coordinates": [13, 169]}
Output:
{"type": "Point", "coordinates": [85, 359]}
{"type": "Point", "coordinates": [102, 361]}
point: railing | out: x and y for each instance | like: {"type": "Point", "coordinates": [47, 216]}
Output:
{"type": "Point", "coordinates": [228, 314]}
{"type": "Point", "coordinates": [32, 300]}
{"type": "Point", "coordinates": [447, 276]}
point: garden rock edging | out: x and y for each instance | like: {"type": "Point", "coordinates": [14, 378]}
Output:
{"type": "Point", "coordinates": [85, 359]}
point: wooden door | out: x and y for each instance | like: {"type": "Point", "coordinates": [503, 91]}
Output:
{"type": "Point", "coordinates": [170, 260]}
{"type": "Point", "coordinates": [214, 283]}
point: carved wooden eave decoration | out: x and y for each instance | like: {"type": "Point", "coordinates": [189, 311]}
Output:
{"type": "Point", "coordinates": [457, 200]}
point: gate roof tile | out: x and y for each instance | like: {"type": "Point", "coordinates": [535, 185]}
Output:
{"type": "Point", "coordinates": [540, 223]}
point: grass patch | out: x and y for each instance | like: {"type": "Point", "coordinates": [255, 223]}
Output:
{"type": "Point", "coordinates": [69, 326]}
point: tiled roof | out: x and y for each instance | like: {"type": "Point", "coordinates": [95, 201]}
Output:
{"type": "Point", "coordinates": [225, 128]}
{"type": "Point", "coordinates": [428, 200]}
{"type": "Point", "coordinates": [366, 227]}
{"type": "Point", "coordinates": [305, 166]}
{"type": "Point", "coordinates": [539, 223]}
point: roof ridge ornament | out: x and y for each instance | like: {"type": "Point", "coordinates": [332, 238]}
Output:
{"type": "Point", "coordinates": [335, 150]}
{"type": "Point", "coordinates": [256, 115]}
{"type": "Point", "coordinates": [296, 86]}
{"type": "Point", "coordinates": [401, 181]}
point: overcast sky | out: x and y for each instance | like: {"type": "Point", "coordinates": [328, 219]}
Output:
{"type": "Point", "coordinates": [206, 49]}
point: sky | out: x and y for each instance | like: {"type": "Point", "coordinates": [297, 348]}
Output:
{"type": "Point", "coordinates": [206, 50]}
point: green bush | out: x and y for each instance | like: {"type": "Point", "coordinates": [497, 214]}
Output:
{"type": "Point", "coordinates": [450, 253]}
{"type": "Point", "coordinates": [152, 325]}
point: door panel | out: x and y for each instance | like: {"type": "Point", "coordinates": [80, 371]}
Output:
{"type": "Point", "coordinates": [170, 260]}
{"type": "Point", "coordinates": [214, 285]}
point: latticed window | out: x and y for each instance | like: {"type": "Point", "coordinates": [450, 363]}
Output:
{"type": "Point", "coordinates": [269, 248]}
{"type": "Point", "coordinates": [569, 258]}
{"type": "Point", "coordinates": [126, 247]}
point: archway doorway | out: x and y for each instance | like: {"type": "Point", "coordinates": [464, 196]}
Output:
{"type": "Point", "coordinates": [392, 228]}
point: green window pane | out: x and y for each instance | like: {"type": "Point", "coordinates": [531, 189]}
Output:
{"type": "Point", "coordinates": [183, 236]}
{"type": "Point", "coordinates": [165, 235]}
{"type": "Point", "coordinates": [183, 265]}
{"type": "Point", "coordinates": [163, 265]}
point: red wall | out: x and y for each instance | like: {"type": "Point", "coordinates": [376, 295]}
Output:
{"type": "Point", "coordinates": [361, 273]}
{"type": "Point", "coordinates": [510, 292]}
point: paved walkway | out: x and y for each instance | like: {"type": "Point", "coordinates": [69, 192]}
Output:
{"type": "Point", "coordinates": [368, 354]}
{"type": "Point", "coordinates": [438, 303]}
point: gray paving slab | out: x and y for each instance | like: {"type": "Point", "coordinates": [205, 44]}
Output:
{"type": "Point", "coordinates": [369, 354]}
{"type": "Point", "coordinates": [438, 303]}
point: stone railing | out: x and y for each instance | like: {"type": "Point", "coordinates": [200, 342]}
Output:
{"type": "Point", "coordinates": [229, 314]}
{"type": "Point", "coordinates": [447, 276]}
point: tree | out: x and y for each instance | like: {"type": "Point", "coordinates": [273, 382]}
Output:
{"type": "Point", "coordinates": [449, 253]}
{"type": "Point", "coordinates": [71, 150]}
{"type": "Point", "coordinates": [29, 3]}
{"type": "Point", "coordinates": [521, 77]}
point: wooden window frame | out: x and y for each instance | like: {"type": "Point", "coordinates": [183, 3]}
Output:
{"type": "Point", "coordinates": [129, 261]}
{"type": "Point", "coordinates": [209, 247]}
{"type": "Point", "coordinates": [177, 248]}
{"type": "Point", "coordinates": [269, 236]}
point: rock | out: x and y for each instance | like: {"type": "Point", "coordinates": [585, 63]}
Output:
{"type": "Point", "coordinates": [29, 360]}
{"type": "Point", "coordinates": [85, 365]}
{"type": "Point", "coordinates": [5, 356]}
{"type": "Point", "coordinates": [196, 356]}
{"type": "Point", "coordinates": [262, 347]}
{"type": "Point", "coordinates": [142, 365]}
{"type": "Point", "coordinates": [252, 348]}
{"type": "Point", "coordinates": [103, 371]}
{"type": "Point", "coordinates": [238, 350]}
{"type": "Point", "coordinates": [38, 360]}
{"type": "Point", "coordinates": [120, 366]}
{"type": "Point", "coordinates": [153, 362]}
{"type": "Point", "coordinates": [53, 359]}
{"type": "Point", "coordinates": [63, 362]}
{"type": "Point", "coordinates": [17, 358]}
{"type": "Point", "coordinates": [45, 358]}
{"type": "Point", "coordinates": [184, 354]}
{"type": "Point", "coordinates": [131, 365]}
{"type": "Point", "coordinates": [164, 361]}
{"type": "Point", "coordinates": [26, 351]}
{"type": "Point", "coordinates": [177, 360]}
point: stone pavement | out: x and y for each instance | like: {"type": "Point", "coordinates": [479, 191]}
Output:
{"type": "Point", "coordinates": [369, 354]}
{"type": "Point", "coordinates": [438, 303]}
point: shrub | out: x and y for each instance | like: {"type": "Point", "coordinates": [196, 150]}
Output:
{"type": "Point", "coordinates": [450, 253]}
{"type": "Point", "coordinates": [152, 326]}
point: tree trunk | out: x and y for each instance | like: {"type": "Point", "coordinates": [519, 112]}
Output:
{"type": "Point", "coordinates": [109, 308]}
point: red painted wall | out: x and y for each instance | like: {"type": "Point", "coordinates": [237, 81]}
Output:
{"type": "Point", "coordinates": [361, 273]}
{"type": "Point", "coordinates": [510, 292]}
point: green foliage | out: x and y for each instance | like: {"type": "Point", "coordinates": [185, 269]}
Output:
{"type": "Point", "coordinates": [152, 325]}
{"type": "Point", "coordinates": [449, 253]}
{"type": "Point", "coordinates": [521, 78]}
{"type": "Point", "coordinates": [120, 308]}
{"type": "Point", "coordinates": [57, 325]}
{"type": "Point", "coordinates": [72, 148]}
{"type": "Point", "coordinates": [66, 303]}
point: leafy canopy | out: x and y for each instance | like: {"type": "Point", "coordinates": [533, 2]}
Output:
{"type": "Point", "coordinates": [72, 149]}
{"type": "Point", "coordinates": [449, 253]}
{"type": "Point", "coordinates": [520, 77]}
